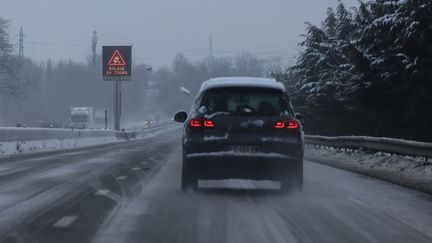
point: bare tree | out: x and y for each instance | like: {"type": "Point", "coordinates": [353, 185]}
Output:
{"type": "Point", "coordinates": [8, 63]}
{"type": "Point", "coordinates": [249, 65]}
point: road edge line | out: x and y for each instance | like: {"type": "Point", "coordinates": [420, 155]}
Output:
{"type": "Point", "coordinates": [420, 185]}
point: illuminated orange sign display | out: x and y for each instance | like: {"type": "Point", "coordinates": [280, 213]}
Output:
{"type": "Point", "coordinates": [116, 62]}
{"type": "Point", "coordinates": [116, 59]}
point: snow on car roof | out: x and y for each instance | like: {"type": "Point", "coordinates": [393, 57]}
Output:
{"type": "Point", "coordinates": [242, 82]}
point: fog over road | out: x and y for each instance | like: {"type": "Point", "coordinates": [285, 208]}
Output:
{"type": "Point", "coordinates": [130, 192]}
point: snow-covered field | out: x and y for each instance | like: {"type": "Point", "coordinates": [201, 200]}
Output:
{"type": "Point", "coordinates": [407, 171]}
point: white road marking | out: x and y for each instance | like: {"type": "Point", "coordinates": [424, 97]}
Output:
{"type": "Point", "coordinates": [102, 192]}
{"type": "Point", "coordinates": [121, 177]}
{"type": "Point", "coordinates": [135, 168]}
{"type": "Point", "coordinates": [356, 200]}
{"type": "Point", "coordinates": [144, 162]}
{"type": "Point", "coordinates": [65, 222]}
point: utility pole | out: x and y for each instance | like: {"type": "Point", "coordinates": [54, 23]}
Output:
{"type": "Point", "coordinates": [117, 104]}
{"type": "Point", "coordinates": [94, 47]}
{"type": "Point", "coordinates": [210, 61]}
{"type": "Point", "coordinates": [21, 45]}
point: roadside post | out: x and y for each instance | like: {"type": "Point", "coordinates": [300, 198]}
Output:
{"type": "Point", "coordinates": [106, 119]}
{"type": "Point", "coordinates": [117, 67]}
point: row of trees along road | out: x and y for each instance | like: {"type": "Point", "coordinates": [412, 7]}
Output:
{"type": "Point", "coordinates": [42, 93]}
{"type": "Point", "coordinates": [367, 71]}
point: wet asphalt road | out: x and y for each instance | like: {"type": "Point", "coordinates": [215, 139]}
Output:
{"type": "Point", "coordinates": [130, 192]}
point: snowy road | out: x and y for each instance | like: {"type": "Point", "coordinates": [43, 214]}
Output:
{"type": "Point", "coordinates": [129, 192]}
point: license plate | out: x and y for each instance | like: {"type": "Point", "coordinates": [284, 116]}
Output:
{"type": "Point", "coordinates": [245, 149]}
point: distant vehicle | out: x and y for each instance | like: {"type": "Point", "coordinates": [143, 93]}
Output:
{"type": "Point", "coordinates": [148, 123]}
{"type": "Point", "coordinates": [242, 128]}
{"type": "Point", "coordinates": [82, 117]}
{"type": "Point", "coordinates": [20, 125]}
{"type": "Point", "coordinates": [53, 124]}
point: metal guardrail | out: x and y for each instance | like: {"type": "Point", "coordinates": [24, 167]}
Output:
{"type": "Point", "coordinates": [389, 145]}
{"type": "Point", "coordinates": [126, 135]}
{"type": "Point", "coordinates": [11, 134]}
{"type": "Point", "coordinates": [133, 134]}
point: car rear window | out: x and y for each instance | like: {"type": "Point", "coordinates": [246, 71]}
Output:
{"type": "Point", "coordinates": [245, 101]}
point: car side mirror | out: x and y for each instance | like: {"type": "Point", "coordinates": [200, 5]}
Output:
{"type": "Point", "coordinates": [301, 118]}
{"type": "Point", "coordinates": [180, 116]}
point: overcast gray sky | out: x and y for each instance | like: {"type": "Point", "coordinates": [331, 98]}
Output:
{"type": "Point", "coordinates": [158, 29]}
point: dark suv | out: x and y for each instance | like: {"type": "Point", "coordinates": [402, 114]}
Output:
{"type": "Point", "coordinates": [242, 128]}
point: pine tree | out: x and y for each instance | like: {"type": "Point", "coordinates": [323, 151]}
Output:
{"type": "Point", "coordinates": [374, 61]}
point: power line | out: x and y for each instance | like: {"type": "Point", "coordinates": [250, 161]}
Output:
{"type": "Point", "coordinates": [267, 56]}
{"type": "Point", "coordinates": [140, 47]}
{"type": "Point", "coordinates": [54, 44]}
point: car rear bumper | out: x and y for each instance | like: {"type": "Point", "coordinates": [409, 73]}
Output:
{"type": "Point", "coordinates": [232, 167]}
{"type": "Point", "coordinates": [216, 161]}
{"type": "Point", "coordinates": [238, 155]}
{"type": "Point", "coordinates": [293, 151]}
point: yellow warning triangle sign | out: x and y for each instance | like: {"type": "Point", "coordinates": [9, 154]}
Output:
{"type": "Point", "coordinates": [116, 59]}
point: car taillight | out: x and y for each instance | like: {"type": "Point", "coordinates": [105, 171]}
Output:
{"type": "Point", "coordinates": [280, 124]}
{"type": "Point", "coordinates": [195, 122]}
{"type": "Point", "coordinates": [198, 122]}
{"type": "Point", "coordinates": [208, 123]}
{"type": "Point", "coordinates": [290, 124]}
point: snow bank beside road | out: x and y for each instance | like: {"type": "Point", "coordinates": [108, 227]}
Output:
{"type": "Point", "coordinates": [15, 141]}
{"type": "Point", "coordinates": [46, 145]}
{"type": "Point", "coordinates": [8, 134]}
{"type": "Point", "coordinates": [402, 170]}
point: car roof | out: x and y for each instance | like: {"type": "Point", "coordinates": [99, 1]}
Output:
{"type": "Point", "coordinates": [242, 82]}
